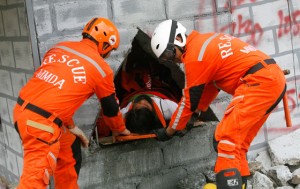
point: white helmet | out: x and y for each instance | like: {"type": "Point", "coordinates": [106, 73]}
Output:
{"type": "Point", "coordinates": [164, 38]}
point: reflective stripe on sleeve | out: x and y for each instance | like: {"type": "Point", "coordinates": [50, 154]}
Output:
{"type": "Point", "coordinates": [204, 46]}
{"type": "Point", "coordinates": [180, 110]}
{"type": "Point", "coordinates": [93, 62]}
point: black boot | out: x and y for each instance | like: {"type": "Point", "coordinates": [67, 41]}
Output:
{"type": "Point", "coordinates": [229, 179]}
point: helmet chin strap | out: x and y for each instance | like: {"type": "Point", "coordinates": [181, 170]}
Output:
{"type": "Point", "coordinates": [181, 49]}
{"type": "Point", "coordinates": [88, 36]}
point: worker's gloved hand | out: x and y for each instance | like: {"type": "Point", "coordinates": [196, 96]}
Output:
{"type": "Point", "coordinates": [79, 133]}
{"type": "Point", "coordinates": [161, 134]}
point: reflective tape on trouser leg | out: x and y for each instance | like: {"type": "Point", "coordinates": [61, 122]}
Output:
{"type": "Point", "coordinates": [228, 156]}
{"type": "Point", "coordinates": [226, 149]}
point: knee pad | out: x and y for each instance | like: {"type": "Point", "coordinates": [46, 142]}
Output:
{"type": "Point", "coordinates": [229, 179]}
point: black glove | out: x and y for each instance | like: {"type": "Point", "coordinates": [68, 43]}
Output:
{"type": "Point", "coordinates": [161, 134]}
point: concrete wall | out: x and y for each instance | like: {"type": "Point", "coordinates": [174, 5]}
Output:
{"type": "Point", "coordinates": [269, 25]}
{"type": "Point", "coordinates": [16, 66]}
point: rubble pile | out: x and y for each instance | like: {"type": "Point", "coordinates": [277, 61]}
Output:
{"type": "Point", "coordinates": [276, 168]}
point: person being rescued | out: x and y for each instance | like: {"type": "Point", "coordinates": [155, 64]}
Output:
{"type": "Point", "coordinates": [146, 104]}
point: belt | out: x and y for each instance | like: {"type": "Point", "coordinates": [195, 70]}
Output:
{"type": "Point", "coordinates": [39, 111]}
{"type": "Point", "coordinates": [259, 66]}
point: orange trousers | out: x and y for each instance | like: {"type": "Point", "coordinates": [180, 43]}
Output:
{"type": "Point", "coordinates": [254, 99]}
{"type": "Point", "coordinates": [61, 159]}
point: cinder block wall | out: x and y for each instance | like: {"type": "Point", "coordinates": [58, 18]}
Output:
{"type": "Point", "coordinates": [269, 25]}
{"type": "Point", "coordinates": [16, 66]}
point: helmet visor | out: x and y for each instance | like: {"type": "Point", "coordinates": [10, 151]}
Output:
{"type": "Point", "coordinates": [168, 56]}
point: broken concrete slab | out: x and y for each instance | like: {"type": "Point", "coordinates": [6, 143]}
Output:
{"type": "Point", "coordinates": [285, 149]}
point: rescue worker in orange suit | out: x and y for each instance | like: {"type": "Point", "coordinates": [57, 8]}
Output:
{"type": "Point", "coordinates": [212, 62]}
{"type": "Point", "coordinates": [70, 73]}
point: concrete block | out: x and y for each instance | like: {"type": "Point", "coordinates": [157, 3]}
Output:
{"type": "Point", "coordinates": [188, 24]}
{"type": "Point", "coordinates": [2, 2]}
{"type": "Point", "coordinates": [241, 21]}
{"type": "Point", "coordinates": [137, 162]}
{"type": "Point", "coordinates": [288, 61]}
{"type": "Point", "coordinates": [126, 35]}
{"type": "Point", "coordinates": [1, 26]}
{"type": "Point", "coordinates": [11, 2]}
{"type": "Point", "coordinates": [11, 22]}
{"type": "Point", "coordinates": [264, 158]}
{"type": "Point", "coordinates": [6, 54]}
{"type": "Point", "coordinates": [193, 181]}
{"type": "Point", "coordinates": [296, 34]}
{"type": "Point", "coordinates": [11, 104]}
{"type": "Point", "coordinates": [136, 11]}
{"type": "Point", "coordinates": [222, 5]}
{"type": "Point", "coordinates": [121, 164]}
{"type": "Point", "coordinates": [193, 146]}
{"type": "Point", "coordinates": [88, 112]}
{"type": "Point", "coordinates": [167, 180]}
{"type": "Point", "coordinates": [262, 41]}
{"type": "Point", "coordinates": [5, 84]}
{"type": "Point", "coordinates": [14, 140]}
{"type": "Point", "coordinates": [4, 109]}
{"type": "Point", "coordinates": [23, 55]}
{"type": "Point", "coordinates": [117, 184]}
{"type": "Point", "coordinates": [280, 174]}
{"type": "Point", "coordinates": [271, 9]}
{"type": "Point", "coordinates": [23, 21]}
{"type": "Point", "coordinates": [285, 43]}
{"type": "Point", "coordinates": [189, 8]}
{"type": "Point", "coordinates": [115, 60]}
{"type": "Point", "coordinates": [297, 66]}
{"type": "Point", "coordinates": [28, 77]}
{"type": "Point", "coordinates": [283, 150]}
{"type": "Point", "coordinates": [216, 23]}
{"type": "Point", "coordinates": [2, 155]}
{"type": "Point", "coordinates": [20, 162]}
{"type": "Point", "coordinates": [11, 160]}
{"type": "Point", "coordinates": [43, 22]}
{"type": "Point", "coordinates": [47, 44]}
{"type": "Point", "coordinates": [74, 14]}
{"type": "Point", "coordinates": [4, 139]}
{"type": "Point", "coordinates": [11, 177]}
{"type": "Point", "coordinates": [261, 181]}
{"type": "Point", "coordinates": [18, 81]}
{"type": "Point", "coordinates": [296, 4]}
{"type": "Point", "coordinates": [86, 116]}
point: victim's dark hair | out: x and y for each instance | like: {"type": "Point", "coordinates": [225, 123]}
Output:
{"type": "Point", "coordinates": [142, 120]}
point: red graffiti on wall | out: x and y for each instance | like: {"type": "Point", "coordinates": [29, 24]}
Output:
{"type": "Point", "coordinates": [247, 27]}
{"type": "Point", "coordinates": [287, 21]}
{"type": "Point", "coordinates": [292, 102]}
{"type": "Point", "coordinates": [236, 3]}
{"type": "Point", "coordinates": [241, 26]}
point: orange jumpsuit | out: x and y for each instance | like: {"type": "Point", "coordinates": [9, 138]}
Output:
{"type": "Point", "coordinates": [214, 62]}
{"type": "Point", "coordinates": [70, 73]}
